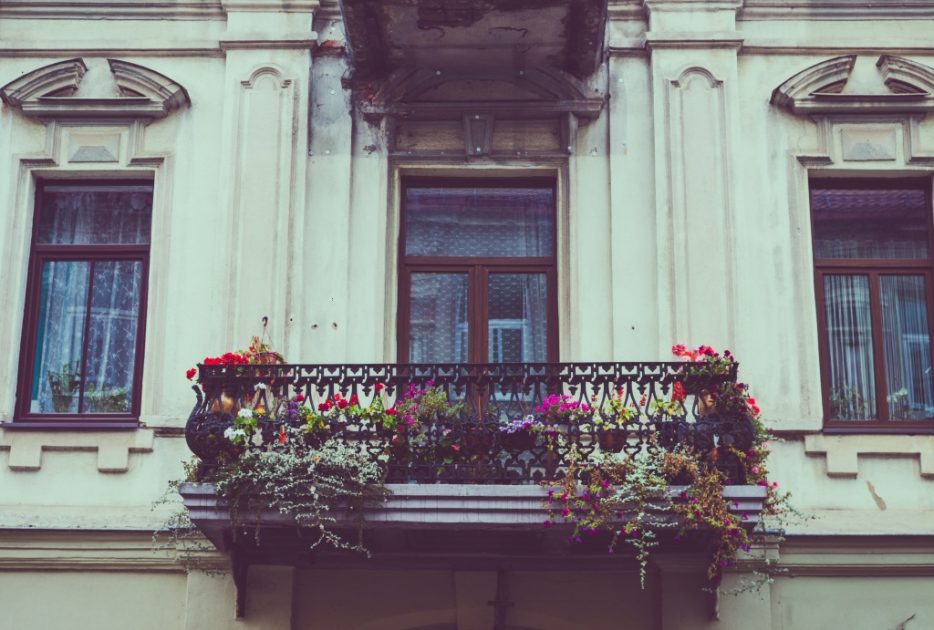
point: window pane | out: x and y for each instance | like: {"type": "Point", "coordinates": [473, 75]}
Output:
{"type": "Point", "coordinates": [870, 223]}
{"type": "Point", "coordinates": [60, 336]}
{"type": "Point", "coordinates": [438, 318]}
{"type": "Point", "coordinates": [907, 347]}
{"type": "Point", "coordinates": [479, 222]}
{"type": "Point", "coordinates": [849, 340]}
{"type": "Point", "coordinates": [79, 215]}
{"type": "Point", "coordinates": [112, 334]}
{"type": "Point", "coordinates": [517, 328]}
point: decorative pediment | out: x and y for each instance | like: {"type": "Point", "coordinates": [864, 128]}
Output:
{"type": "Point", "coordinates": [129, 90]}
{"type": "Point", "coordinates": [898, 85]}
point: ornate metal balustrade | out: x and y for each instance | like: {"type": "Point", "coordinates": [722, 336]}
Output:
{"type": "Point", "coordinates": [593, 408]}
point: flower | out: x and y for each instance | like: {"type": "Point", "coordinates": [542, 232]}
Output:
{"type": "Point", "coordinates": [391, 411]}
{"type": "Point", "coordinates": [299, 398]}
{"type": "Point", "coordinates": [677, 392]}
{"type": "Point", "coordinates": [282, 434]}
{"type": "Point", "coordinates": [245, 413]}
{"type": "Point", "coordinates": [378, 387]}
{"type": "Point", "coordinates": [190, 373]}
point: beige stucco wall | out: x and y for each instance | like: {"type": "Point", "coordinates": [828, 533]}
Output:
{"type": "Point", "coordinates": [684, 217]}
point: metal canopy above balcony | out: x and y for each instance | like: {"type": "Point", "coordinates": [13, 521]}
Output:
{"type": "Point", "coordinates": [385, 35]}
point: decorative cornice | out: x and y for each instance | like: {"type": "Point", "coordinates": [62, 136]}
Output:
{"type": "Point", "coordinates": [819, 89]}
{"type": "Point", "coordinates": [835, 10]}
{"type": "Point", "coordinates": [49, 92]}
{"type": "Point", "coordinates": [825, 77]}
{"type": "Point", "coordinates": [137, 80]}
{"type": "Point", "coordinates": [63, 76]}
{"type": "Point", "coordinates": [905, 76]}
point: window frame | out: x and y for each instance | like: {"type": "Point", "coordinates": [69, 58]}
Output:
{"type": "Point", "coordinates": [477, 268]}
{"type": "Point", "coordinates": [39, 253]}
{"type": "Point", "coordinates": [873, 269]}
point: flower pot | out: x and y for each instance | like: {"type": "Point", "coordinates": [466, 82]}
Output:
{"type": "Point", "coordinates": [706, 404]}
{"type": "Point", "coordinates": [612, 440]}
{"type": "Point", "coordinates": [521, 440]}
{"type": "Point", "coordinates": [62, 402]}
{"type": "Point", "coordinates": [477, 442]}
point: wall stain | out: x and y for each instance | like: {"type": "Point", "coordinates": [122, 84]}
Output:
{"type": "Point", "coordinates": [880, 502]}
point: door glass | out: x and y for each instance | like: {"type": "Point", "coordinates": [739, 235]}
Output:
{"type": "Point", "coordinates": [438, 318]}
{"type": "Point", "coordinates": [517, 323]}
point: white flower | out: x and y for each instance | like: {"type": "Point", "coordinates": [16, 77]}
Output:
{"type": "Point", "coordinates": [245, 413]}
{"type": "Point", "coordinates": [261, 386]}
{"type": "Point", "coordinates": [234, 434]}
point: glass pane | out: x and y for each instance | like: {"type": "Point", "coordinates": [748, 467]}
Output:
{"type": "Point", "coordinates": [115, 292]}
{"type": "Point", "coordinates": [849, 340]}
{"type": "Point", "coordinates": [479, 222]}
{"type": "Point", "coordinates": [438, 318]}
{"type": "Point", "coordinates": [517, 325]}
{"type": "Point", "coordinates": [78, 215]}
{"type": "Point", "coordinates": [870, 223]}
{"type": "Point", "coordinates": [60, 337]}
{"type": "Point", "coordinates": [907, 347]}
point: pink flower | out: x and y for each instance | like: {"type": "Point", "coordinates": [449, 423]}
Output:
{"type": "Point", "coordinates": [754, 470]}
{"type": "Point", "coordinates": [678, 349]}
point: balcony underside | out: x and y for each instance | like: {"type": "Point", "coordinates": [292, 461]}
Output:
{"type": "Point", "coordinates": [431, 525]}
{"type": "Point", "coordinates": [447, 34]}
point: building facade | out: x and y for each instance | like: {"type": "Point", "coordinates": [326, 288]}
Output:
{"type": "Point", "coordinates": [751, 174]}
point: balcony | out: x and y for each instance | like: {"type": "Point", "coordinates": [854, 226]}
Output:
{"type": "Point", "coordinates": [467, 444]}
{"type": "Point", "coordinates": [469, 477]}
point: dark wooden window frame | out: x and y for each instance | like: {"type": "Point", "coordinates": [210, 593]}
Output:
{"type": "Point", "coordinates": [477, 268]}
{"type": "Point", "coordinates": [92, 253]}
{"type": "Point", "coordinates": [873, 268]}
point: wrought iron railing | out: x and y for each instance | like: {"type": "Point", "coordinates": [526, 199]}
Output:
{"type": "Point", "coordinates": [598, 407]}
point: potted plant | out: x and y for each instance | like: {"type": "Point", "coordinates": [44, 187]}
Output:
{"type": "Point", "coordinates": [609, 421]}
{"type": "Point", "coordinates": [107, 399]}
{"type": "Point", "coordinates": [64, 384]}
{"type": "Point", "coordinates": [521, 434]}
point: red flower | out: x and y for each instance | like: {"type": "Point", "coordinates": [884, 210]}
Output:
{"type": "Point", "coordinates": [391, 411]}
{"type": "Point", "coordinates": [325, 406]}
{"type": "Point", "coordinates": [678, 349]}
{"type": "Point", "coordinates": [341, 403]}
{"type": "Point", "coordinates": [354, 400]}
{"type": "Point", "coordinates": [299, 398]}
{"type": "Point", "coordinates": [677, 392]}
{"type": "Point", "coordinates": [378, 387]}
{"type": "Point", "coordinates": [281, 435]}
{"type": "Point", "coordinates": [190, 374]}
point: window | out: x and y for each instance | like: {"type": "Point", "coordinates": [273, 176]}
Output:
{"type": "Point", "coordinates": [873, 268]}
{"type": "Point", "coordinates": [86, 300]}
{"type": "Point", "coordinates": [477, 280]}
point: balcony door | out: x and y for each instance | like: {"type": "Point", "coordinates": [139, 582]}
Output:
{"type": "Point", "coordinates": [477, 278]}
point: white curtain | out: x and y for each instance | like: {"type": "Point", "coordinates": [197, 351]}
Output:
{"type": "Point", "coordinates": [849, 339]}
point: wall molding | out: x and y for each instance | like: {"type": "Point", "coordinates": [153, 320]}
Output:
{"type": "Point", "coordinates": [113, 447]}
{"type": "Point", "coordinates": [842, 452]}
